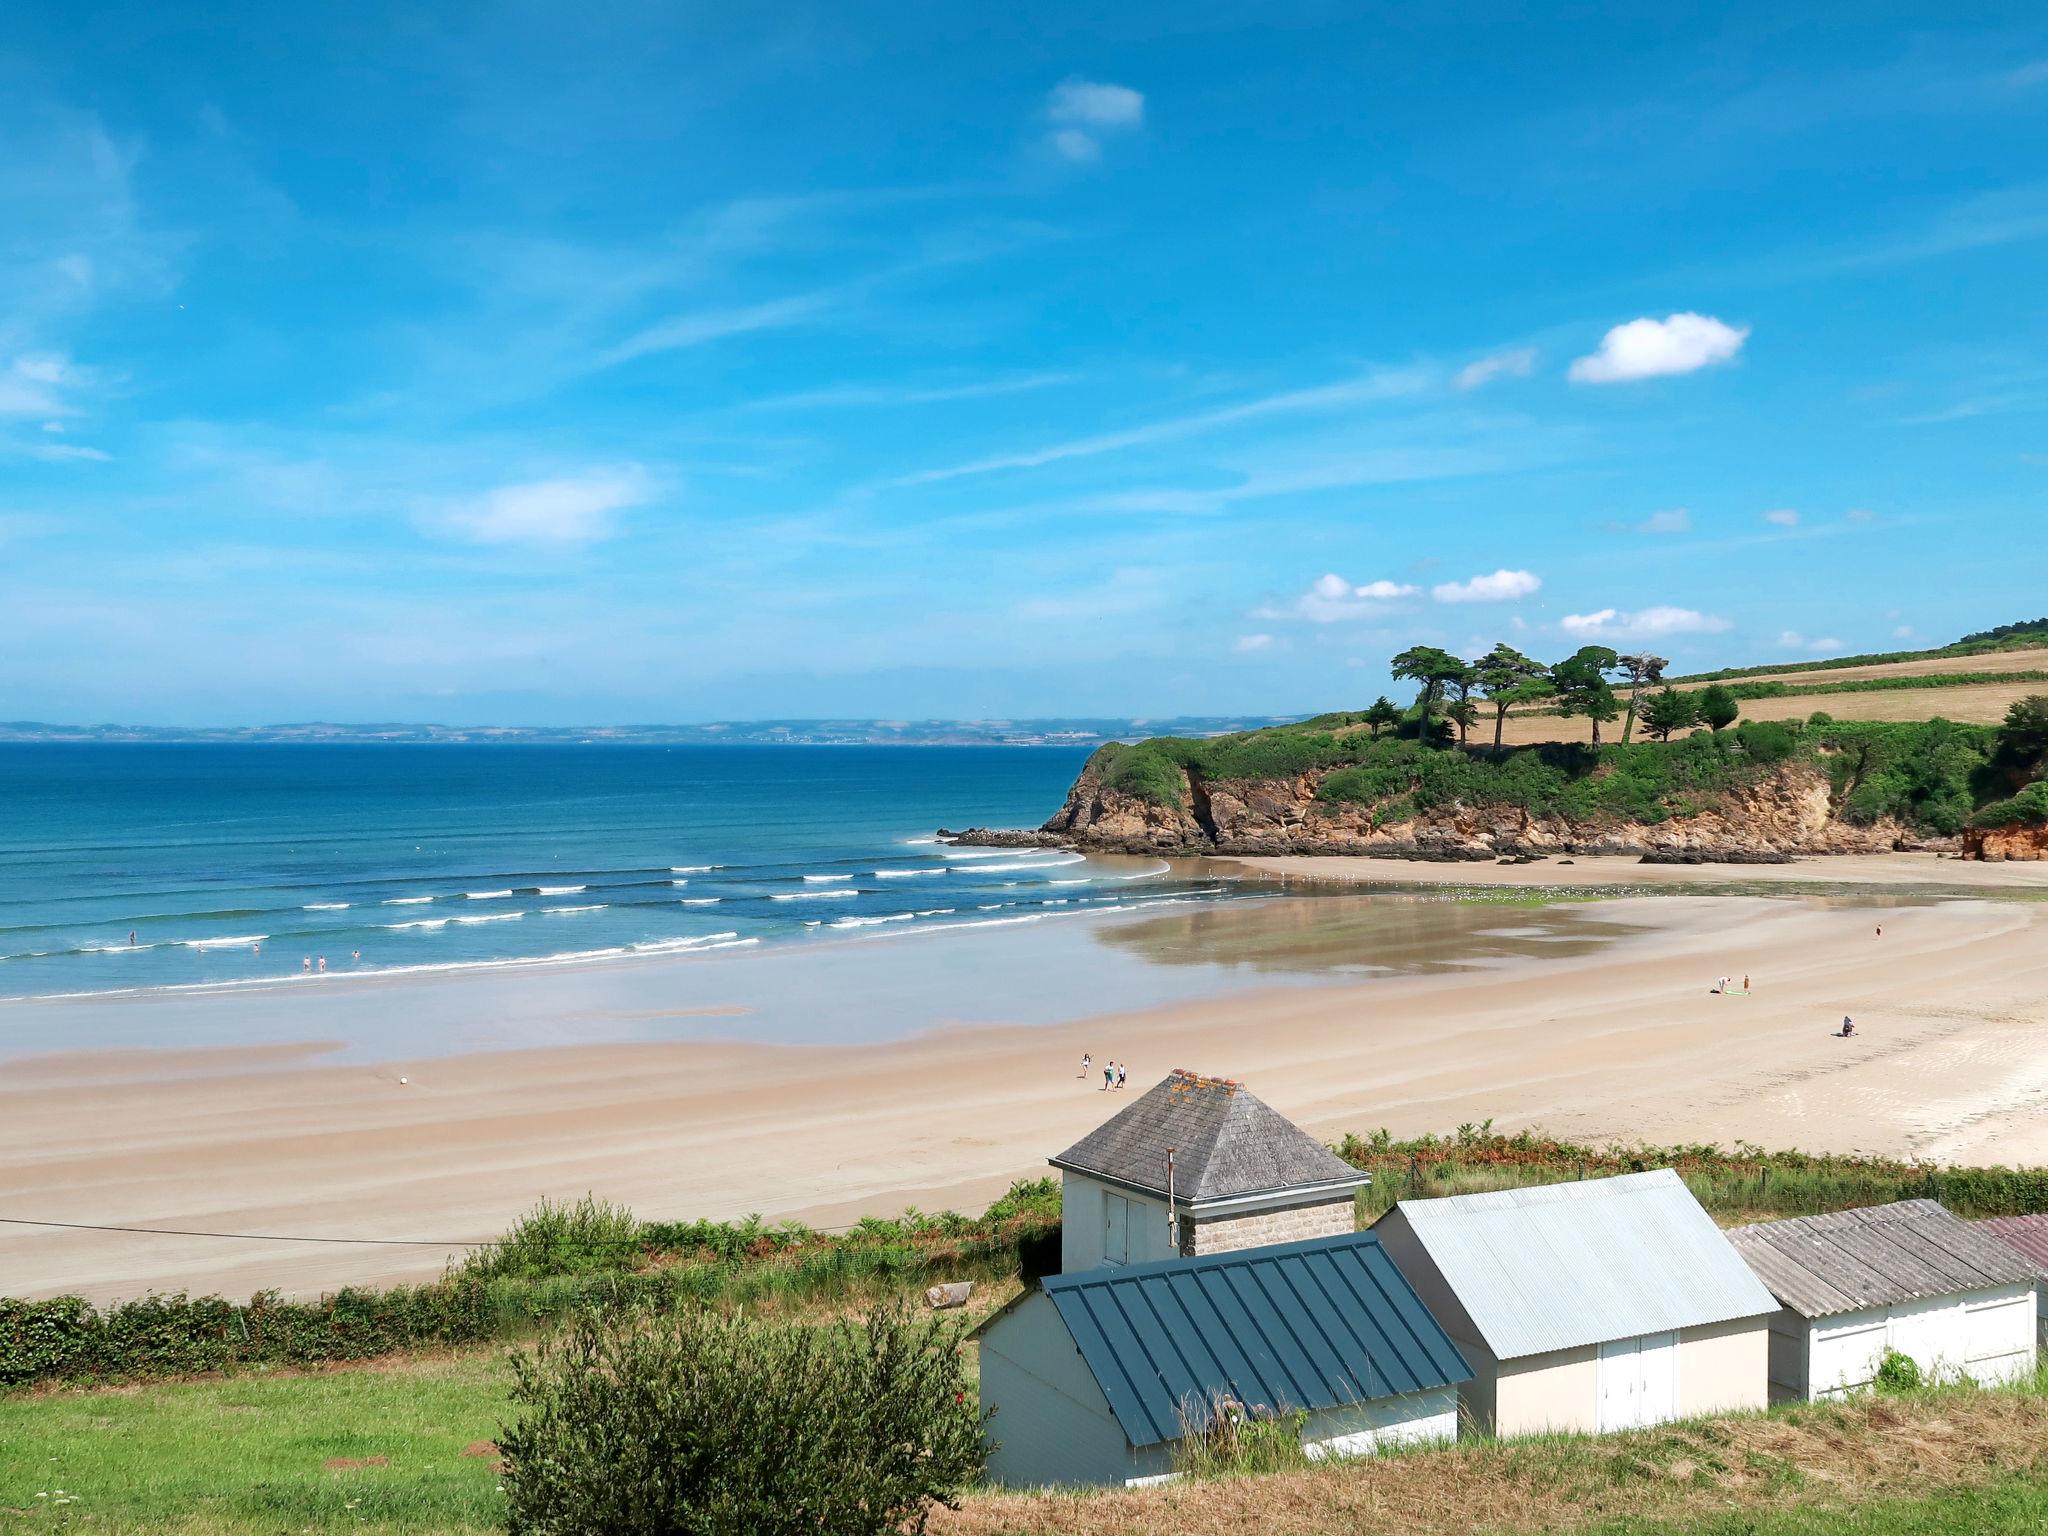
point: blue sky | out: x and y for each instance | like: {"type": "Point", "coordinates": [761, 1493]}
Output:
{"type": "Point", "coordinates": [608, 363]}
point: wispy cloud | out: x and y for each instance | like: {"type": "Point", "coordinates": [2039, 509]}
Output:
{"type": "Point", "coordinates": [1382, 385]}
{"type": "Point", "coordinates": [1792, 640]}
{"type": "Point", "coordinates": [549, 513]}
{"type": "Point", "coordinates": [1244, 645]}
{"type": "Point", "coordinates": [1782, 517]}
{"type": "Point", "coordinates": [855, 396]}
{"type": "Point", "coordinates": [1516, 363]}
{"type": "Point", "coordinates": [1502, 586]}
{"type": "Point", "coordinates": [1670, 520]}
{"type": "Point", "coordinates": [1642, 624]}
{"type": "Point", "coordinates": [1648, 349]}
{"type": "Point", "coordinates": [1083, 111]}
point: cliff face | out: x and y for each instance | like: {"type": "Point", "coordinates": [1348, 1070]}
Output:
{"type": "Point", "coordinates": [1788, 813]}
{"type": "Point", "coordinates": [1997, 844]}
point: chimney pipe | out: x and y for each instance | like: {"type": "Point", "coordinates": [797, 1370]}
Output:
{"type": "Point", "coordinates": [1172, 1225]}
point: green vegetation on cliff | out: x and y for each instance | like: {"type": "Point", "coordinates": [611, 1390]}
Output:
{"type": "Point", "coordinates": [1930, 775]}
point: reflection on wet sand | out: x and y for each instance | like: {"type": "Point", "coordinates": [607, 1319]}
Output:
{"type": "Point", "coordinates": [1381, 934]}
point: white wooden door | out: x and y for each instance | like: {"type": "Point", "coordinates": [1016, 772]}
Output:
{"type": "Point", "coordinates": [1620, 1376]}
{"type": "Point", "coordinates": [1657, 1386]}
{"type": "Point", "coordinates": [1116, 1229]}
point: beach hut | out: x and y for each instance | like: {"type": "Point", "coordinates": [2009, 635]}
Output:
{"type": "Point", "coordinates": [1197, 1165]}
{"type": "Point", "coordinates": [1910, 1277]}
{"type": "Point", "coordinates": [1597, 1305]}
{"type": "Point", "coordinates": [2028, 1237]}
{"type": "Point", "coordinates": [1096, 1377]}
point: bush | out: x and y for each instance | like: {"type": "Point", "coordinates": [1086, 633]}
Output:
{"type": "Point", "coordinates": [2028, 808]}
{"type": "Point", "coordinates": [556, 1239]}
{"type": "Point", "coordinates": [1898, 1373]}
{"type": "Point", "coordinates": [729, 1426]}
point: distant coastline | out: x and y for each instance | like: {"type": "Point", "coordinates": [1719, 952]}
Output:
{"type": "Point", "coordinates": [1079, 731]}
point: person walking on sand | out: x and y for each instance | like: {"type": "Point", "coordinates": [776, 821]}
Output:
{"type": "Point", "coordinates": [1108, 1075]}
{"type": "Point", "coordinates": [1121, 1075]}
{"type": "Point", "coordinates": [1848, 1026]}
{"type": "Point", "coordinates": [1087, 1064]}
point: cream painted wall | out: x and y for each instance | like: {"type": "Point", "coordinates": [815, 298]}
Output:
{"type": "Point", "coordinates": [1559, 1390]}
{"type": "Point", "coordinates": [1724, 1367]}
{"type": "Point", "coordinates": [1086, 1224]}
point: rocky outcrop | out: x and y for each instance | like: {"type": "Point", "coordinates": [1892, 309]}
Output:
{"type": "Point", "coordinates": [1788, 813]}
{"type": "Point", "coordinates": [1997, 844]}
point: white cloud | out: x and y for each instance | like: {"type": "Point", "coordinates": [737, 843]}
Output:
{"type": "Point", "coordinates": [1333, 600]}
{"type": "Point", "coordinates": [1903, 632]}
{"type": "Point", "coordinates": [1501, 587]}
{"type": "Point", "coordinates": [1072, 144]}
{"type": "Point", "coordinates": [1516, 363]}
{"type": "Point", "coordinates": [1859, 515]}
{"type": "Point", "coordinates": [551, 513]}
{"type": "Point", "coordinates": [1671, 520]}
{"type": "Point", "coordinates": [1086, 109]}
{"type": "Point", "coordinates": [1248, 643]}
{"type": "Point", "coordinates": [55, 453]}
{"type": "Point", "coordinates": [1647, 349]}
{"type": "Point", "coordinates": [1095, 103]}
{"type": "Point", "coordinates": [1792, 640]}
{"type": "Point", "coordinates": [1642, 624]}
{"type": "Point", "coordinates": [34, 384]}
{"type": "Point", "coordinates": [1783, 517]}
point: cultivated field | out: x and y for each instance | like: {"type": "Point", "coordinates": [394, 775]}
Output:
{"type": "Point", "coordinates": [1974, 703]}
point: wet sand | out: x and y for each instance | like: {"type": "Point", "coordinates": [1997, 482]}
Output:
{"type": "Point", "coordinates": [1924, 872]}
{"type": "Point", "coordinates": [1591, 1019]}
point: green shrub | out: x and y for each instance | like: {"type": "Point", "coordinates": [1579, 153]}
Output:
{"type": "Point", "coordinates": [553, 1239]}
{"type": "Point", "coordinates": [2028, 808]}
{"type": "Point", "coordinates": [1227, 1439]}
{"type": "Point", "coordinates": [1898, 1373]}
{"type": "Point", "coordinates": [723, 1424]}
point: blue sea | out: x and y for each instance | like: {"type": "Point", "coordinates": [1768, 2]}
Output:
{"type": "Point", "coordinates": [143, 867]}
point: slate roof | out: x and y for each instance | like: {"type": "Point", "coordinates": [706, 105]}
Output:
{"type": "Point", "coordinates": [2025, 1235]}
{"type": "Point", "coordinates": [1560, 1266]}
{"type": "Point", "coordinates": [1225, 1142]}
{"type": "Point", "coordinates": [1821, 1266]}
{"type": "Point", "coordinates": [1314, 1324]}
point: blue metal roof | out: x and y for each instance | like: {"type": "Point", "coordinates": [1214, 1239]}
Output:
{"type": "Point", "coordinates": [1315, 1324]}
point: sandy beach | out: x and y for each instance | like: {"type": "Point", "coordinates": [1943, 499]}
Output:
{"type": "Point", "coordinates": [1611, 1039]}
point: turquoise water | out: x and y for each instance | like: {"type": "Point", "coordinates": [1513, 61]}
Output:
{"type": "Point", "coordinates": [242, 864]}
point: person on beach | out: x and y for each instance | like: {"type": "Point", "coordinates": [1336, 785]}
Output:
{"type": "Point", "coordinates": [1848, 1026]}
{"type": "Point", "coordinates": [131, 935]}
{"type": "Point", "coordinates": [323, 962]}
{"type": "Point", "coordinates": [1745, 986]}
{"type": "Point", "coordinates": [1108, 1075]}
{"type": "Point", "coordinates": [306, 963]}
{"type": "Point", "coordinates": [1120, 1074]}
{"type": "Point", "coordinates": [1087, 1064]}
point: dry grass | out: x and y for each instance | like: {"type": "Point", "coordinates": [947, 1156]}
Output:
{"type": "Point", "coordinates": [1994, 661]}
{"type": "Point", "coordinates": [1974, 704]}
{"type": "Point", "coordinates": [1829, 1454]}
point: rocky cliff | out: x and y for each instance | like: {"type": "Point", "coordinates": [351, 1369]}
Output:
{"type": "Point", "coordinates": [1997, 844]}
{"type": "Point", "coordinates": [1788, 812]}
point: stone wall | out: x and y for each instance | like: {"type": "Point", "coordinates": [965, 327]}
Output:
{"type": "Point", "coordinates": [1292, 1224]}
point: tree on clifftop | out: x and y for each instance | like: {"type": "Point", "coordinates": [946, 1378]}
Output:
{"type": "Point", "coordinates": [1669, 711]}
{"type": "Point", "coordinates": [1434, 670]}
{"type": "Point", "coordinates": [1507, 678]}
{"type": "Point", "coordinates": [1582, 687]}
{"type": "Point", "coordinates": [1640, 670]}
{"type": "Point", "coordinates": [1718, 708]}
{"type": "Point", "coordinates": [1383, 713]}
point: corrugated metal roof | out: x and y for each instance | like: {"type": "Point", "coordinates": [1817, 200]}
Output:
{"type": "Point", "coordinates": [1225, 1142]}
{"type": "Point", "coordinates": [2025, 1235]}
{"type": "Point", "coordinates": [1849, 1260]}
{"type": "Point", "coordinates": [1558, 1266]}
{"type": "Point", "coordinates": [1295, 1325]}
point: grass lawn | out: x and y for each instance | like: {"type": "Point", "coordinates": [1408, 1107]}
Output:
{"type": "Point", "coordinates": [261, 1453]}
{"type": "Point", "coordinates": [2004, 1508]}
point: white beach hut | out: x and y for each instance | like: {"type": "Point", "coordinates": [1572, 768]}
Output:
{"type": "Point", "coordinates": [1604, 1304]}
{"type": "Point", "coordinates": [1911, 1277]}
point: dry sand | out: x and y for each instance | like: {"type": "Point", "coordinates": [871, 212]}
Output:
{"type": "Point", "coordinates": [1951, 1061]}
